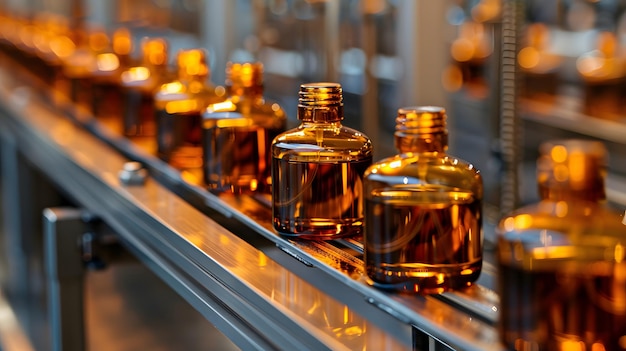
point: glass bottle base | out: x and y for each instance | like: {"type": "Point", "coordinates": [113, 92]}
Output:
{"type": "Point", "coordinates": [424, 279]}
{"type": "Point", "coordinates": [319, 229]}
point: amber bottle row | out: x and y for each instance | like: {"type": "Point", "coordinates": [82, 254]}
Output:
{"type": "Point", "coordinates": [561, 261]}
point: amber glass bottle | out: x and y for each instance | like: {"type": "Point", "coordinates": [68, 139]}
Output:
{"type": "Point", "coordinates": [106, 76]}
{"type": "Point", "coordinates": [317, 169]}
{"type": "Point", "coordinates": [140, 83]}
{"type": "Point", "coordinates": [80, 63]}
{"type": "Point", "coordinates": [562, 261]}
{"type": "Point", "coordinates": [179, 107]}
{"type": "Point", "coordinates": [238, 132]}
{"type": "Point", "coordinates": [423, 210]}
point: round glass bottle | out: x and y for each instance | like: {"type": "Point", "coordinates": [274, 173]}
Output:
{"type": "Point", "coordinates": [562, 261]}
{"type": "Point", "coordinates": [179, 107]}
{"type": "Point", "coordinates": [423, 210]}
{"type": "Point", "coordinates": [238, 132]}
{"type": "Point", "coordinates": [317, 169]}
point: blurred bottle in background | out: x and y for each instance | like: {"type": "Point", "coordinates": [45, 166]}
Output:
{"type": "Point", "coordinates": [561, 261]}
{"type": "Point", "coordinates": [179, 107]}
{"type": "Point", "coordinates": [238, 132]}
{"type": "Point", "coordinates": [140, 83]}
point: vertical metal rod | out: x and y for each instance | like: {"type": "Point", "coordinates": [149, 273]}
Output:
{"type": "Point", "coordinates": [510, 129]}
{"type": "Point", "coordinates": [63, 228]}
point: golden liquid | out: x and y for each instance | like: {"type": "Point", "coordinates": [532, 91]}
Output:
{"type": "Point", "coordinates": [139, 119]}
{"type": "Point", "coordinates": [318, 199]}
{"type": "Point", "coordinates": [179, 138]}
{"type": "Point", "coordinates": [106, 100]}
{"type": "Point", "coordinates": [236, 158]}
{"type": "Point", "coordinates": [424, 239]}
{"type": "Point", "coordinates": [81, 91]}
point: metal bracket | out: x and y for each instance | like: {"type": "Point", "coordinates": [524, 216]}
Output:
{"type": "Point", "coordinates": [63, 230]}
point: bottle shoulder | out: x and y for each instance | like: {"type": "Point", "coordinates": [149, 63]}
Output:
{"type": "Point", "coordinates": [327, 139]}
{"type": "Point", "coordinates": [177, 97]}
{"type": "Point", "coordinates": [412, 169]}
{"type": "Point", "coordinates": [261, 112]}
{"type": "Point", "coordinates": [569, 217]}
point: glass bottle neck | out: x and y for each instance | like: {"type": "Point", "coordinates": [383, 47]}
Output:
{"type": "Point", "coordinates": [192, 66]}
{"type": "Point", "coordinates": [421, 129]}
{"type": "Point", "coordinates": [421, 144]}
{"type": "Point", "coordinates": [249, 91]}
{"type": "Point", "coordinates": [595, 194]}
{"type": "Point", "coordinates": [244, 79]}
{"type": "Point", "coordinates": [320, 103]}
{"type": "Point", "coordinates": [154, 54]}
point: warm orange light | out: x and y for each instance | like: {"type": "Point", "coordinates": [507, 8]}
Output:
{"type": "Point", "coordinates": [578, 164]}
{"type": "Point", "coordinates": [192, 63]}
{"type": "Point", "coordinates": [452, 78]}
{"type": "Point", "coordinates": [523, 221]}
{"type": "Point", "coordinates": [135, 74]}
{"type": "Point", "coordinates": [222, 106]}
{"type": "Point", "coordinates": [486, 10]}
{"type": "Point", "coordinates": [571, 345]}
{"type": "Point", "coordinates": [154, 52]}
{"type": "Point", "coordinates": [181, 106]}
{"type": "Point", "coordinates": [107, 62]}
{"type": "Point", "coordinates": [62, 46]}
{"type": "Point", "coordinates": [462, 50]}
{"type": "Point", "coordinates": [122, 43]}
{"type": "Point", "coordinates": [98, 41]}
{"type": "Point", "coordinates": [528, 57]}
{"type": "Point", "coordinates": [172, 88]}
{"type": "Point", "coordinates": [558, 153]}
{"type": "Point", "coordinates": [234, 122]}
{"type": "Point", "coordinates": [561, 209]}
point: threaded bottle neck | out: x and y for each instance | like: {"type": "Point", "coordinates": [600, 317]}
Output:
{"type": "Point", "coordinates": [421, 129]}
{"type": "Point", "coordinates": [192, 65]}
{"type": "Point", "coordinates": [244, 78]}
{"type": "Point", "coordinates": [572, 170]}
{"type": "Point", "coordinates": [320, 102]}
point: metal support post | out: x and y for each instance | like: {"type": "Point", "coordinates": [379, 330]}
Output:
{"type": "Point", "coordinates": [63, 230]}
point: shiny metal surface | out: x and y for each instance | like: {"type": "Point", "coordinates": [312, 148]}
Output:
{"type": "Point", "coordinates": [261, 290]}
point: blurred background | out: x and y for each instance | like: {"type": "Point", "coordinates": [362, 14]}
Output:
{"type": "Point", "coordinates": [511, 73]}
{"type": "Point", "coordinates": [562, 74]}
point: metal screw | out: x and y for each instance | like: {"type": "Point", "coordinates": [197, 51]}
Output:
{"type": "Point", "coordinates": [133, 173]}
